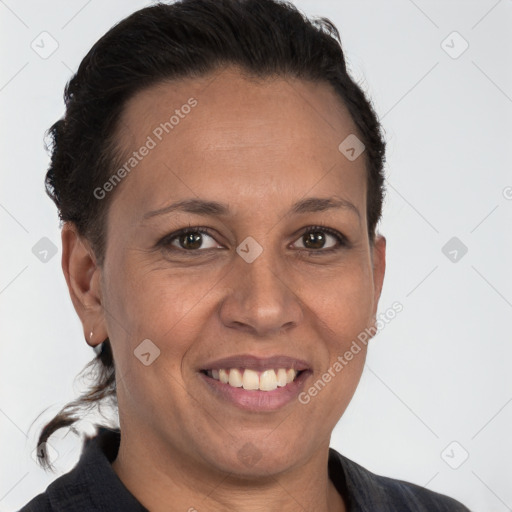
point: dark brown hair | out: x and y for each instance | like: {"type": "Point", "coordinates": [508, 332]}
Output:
{"type": "Point", "coordinates": [188, 38]}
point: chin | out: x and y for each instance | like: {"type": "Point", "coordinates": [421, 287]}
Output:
{"type": "Point", "coordinates": [254, 460]}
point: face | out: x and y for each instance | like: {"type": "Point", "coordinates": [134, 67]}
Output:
{"type": "Point", "coordinates": [277, 273]}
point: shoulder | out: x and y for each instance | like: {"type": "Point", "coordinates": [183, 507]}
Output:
{"type": "Point", "coordinates": [367, 491]}
{"type": "Point", "coordinates": [41, 503]}
{"type": "Point", "coordinates": [92, 485]}
{"type": "Point", "coordinates": [69, 492]}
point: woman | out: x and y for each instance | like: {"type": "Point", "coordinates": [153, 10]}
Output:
{"type": "Point", "coordinates": [220, 179]}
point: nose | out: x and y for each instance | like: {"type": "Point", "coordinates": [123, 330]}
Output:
{"type": "Point", "coordinates": [261, 299]}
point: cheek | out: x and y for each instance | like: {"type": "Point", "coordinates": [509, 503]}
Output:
{"type": "Point", "coordinates": [343, 313]}
{"type": "Point", "coordinates": [159, 304]}
{"type": "Point", "coordinates": [344, 298]}
{"type": "Point", "coordinates": [170, 306]}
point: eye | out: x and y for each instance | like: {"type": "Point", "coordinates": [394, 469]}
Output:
{"type": "Point", "coordinates": [320, 239]}
{"type": "Point", "coordinates": [315, 240]}
{"type": "Point", "coordinates": [189, 239]}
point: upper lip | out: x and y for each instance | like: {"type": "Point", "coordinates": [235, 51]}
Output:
{"type": "Point", "coordinates": [257, 363]}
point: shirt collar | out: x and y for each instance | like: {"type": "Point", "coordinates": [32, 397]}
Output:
{"type": "Point", "coordinates": [93, 484]}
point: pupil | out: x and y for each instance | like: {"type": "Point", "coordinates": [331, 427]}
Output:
{"type": "Point", "coordinates": [191, 240]}
{"type": "Point", "coordinates": [314, 240]}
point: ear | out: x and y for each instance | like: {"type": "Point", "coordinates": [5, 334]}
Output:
{"type": "Point", "coordinates": [83, 279]}
{"type": "Point", "coordinates": [379, 268]}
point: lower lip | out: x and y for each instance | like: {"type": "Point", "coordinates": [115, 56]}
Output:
{"type": "Point", "coordinates": [256, 400]}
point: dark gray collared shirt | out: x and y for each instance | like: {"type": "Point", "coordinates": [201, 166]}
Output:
{"type": "Point", "coordinates": [93, 486]}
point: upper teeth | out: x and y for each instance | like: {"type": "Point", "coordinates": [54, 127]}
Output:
{"type": "Point", "coordinates": [267, 380]}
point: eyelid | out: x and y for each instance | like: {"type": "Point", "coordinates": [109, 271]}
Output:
{"type": "Point", "coordinates": [341, 239]}
{"type": "Point", "coordinates": [166, 240]}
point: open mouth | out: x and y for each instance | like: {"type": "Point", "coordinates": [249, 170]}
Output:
{"type": "Point", "coordinates": [249, 379]}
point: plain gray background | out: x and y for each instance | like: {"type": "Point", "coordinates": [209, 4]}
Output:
{"type": "Point", "coordinates": [434, 403]}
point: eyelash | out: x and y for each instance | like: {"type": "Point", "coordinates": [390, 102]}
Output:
{"type": "Point", "coordinates": [342, 241]}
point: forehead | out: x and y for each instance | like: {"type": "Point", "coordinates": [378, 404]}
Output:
{"type": "Point", "coordinates": [277, 135]}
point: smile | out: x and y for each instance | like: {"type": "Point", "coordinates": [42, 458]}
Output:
{"type": "Point", "coordinates": [254, 383]}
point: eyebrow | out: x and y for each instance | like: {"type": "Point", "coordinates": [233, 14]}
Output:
{"type": "Point", "coordinates": [214, 208]}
